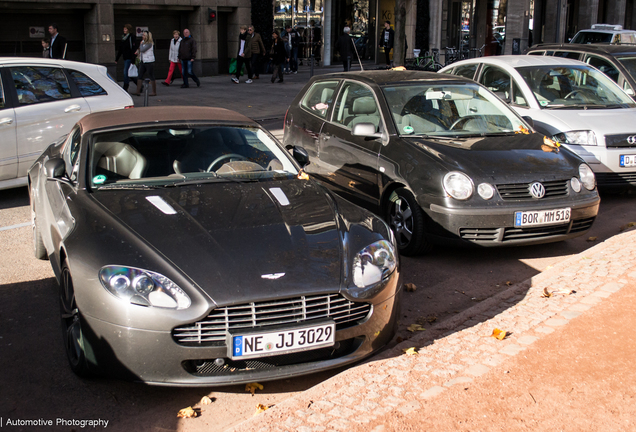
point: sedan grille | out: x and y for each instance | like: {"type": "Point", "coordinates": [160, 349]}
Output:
{"type": "Point", "coordinates": [491, 235]}
{"type": "Point", "coordinates": [521, 191]}
{"type": "Point", "coordinates": [212, 329]}
{"type": "Point", "coordinates": [616, 179]}
{"type": "Point", "coordinates": [620, 141]}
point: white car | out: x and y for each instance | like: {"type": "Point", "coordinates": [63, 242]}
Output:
{"type": "Point", "coordinates": [605, 33]}
{"type": "Point", "coordinates": [40, 101]}
{"type": "Point", "coordinates": [569, 101]}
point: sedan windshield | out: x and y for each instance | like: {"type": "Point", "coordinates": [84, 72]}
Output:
{"type": "Point", "coordinates": [449, 110]}
{"type": "Point", "coordinates": [573, 87]}
{"type": "Point", "coordinates": [179, 155]}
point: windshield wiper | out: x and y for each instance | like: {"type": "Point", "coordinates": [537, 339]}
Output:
{"type": "Point", "coordinates": [115, 186]}
{"type": "Point", "coordinates": [215, 179]}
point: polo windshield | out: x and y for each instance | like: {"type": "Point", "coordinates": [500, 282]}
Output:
{"type": "Point", "coordinates": [449, 110]}
{"type": "Point", "coordinates": [573, 87]}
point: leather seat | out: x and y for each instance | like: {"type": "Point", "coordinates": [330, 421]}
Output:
{"type": "Point", "coordinates": [364, 110]}
{"type": "Point", "coordinates": [120, 161]}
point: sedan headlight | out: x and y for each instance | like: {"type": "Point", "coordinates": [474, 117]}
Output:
{"type": "Point", "coordinates": [143, 287]}
{"type": "Point", "coordinates": [587, 177]}
{"type": "Point", "coordinates": [372, 265]}
{"type": "Point", "coordinates": [458, 185]}
{"type": "Point", "coordinates": [586, 137]}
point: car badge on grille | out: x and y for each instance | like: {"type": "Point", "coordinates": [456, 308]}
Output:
{"type": "Point", "coordinates": [273, 276]}
{"type": "Point", "coordinates": [631, 139]}
{"type": "Point", "coordinates": [537, 190]}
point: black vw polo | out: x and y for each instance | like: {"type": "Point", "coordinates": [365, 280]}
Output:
{"type": "Point", "coordinates": [440, 158]}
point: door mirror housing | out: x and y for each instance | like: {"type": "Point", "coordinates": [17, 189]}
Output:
{"type": "Point", "coordinates": [301, 156]}
{"type": "Point", "coordinates": [55, 168]}
{"type": "Point", "coordinates": [529, 120]}
{"type": "Point", "coordinates": [365, 130]}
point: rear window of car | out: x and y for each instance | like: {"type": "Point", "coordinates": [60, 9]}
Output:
{"type": "Point", "coordinates": [39, 84]}
{"type": "Point", "coordinates": [86, 85]}
{"type": "Point", "coordinates": [592, 37]}
{"type": "Point", "coordinates": [319, 97]}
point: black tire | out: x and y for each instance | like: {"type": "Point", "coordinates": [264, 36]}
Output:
{"type": "Point", "coordinates": [407, 220]}
{"type": "Point", "coordinates": [38, 245]}
{"type": "Point", "coordinates": [72, 326]}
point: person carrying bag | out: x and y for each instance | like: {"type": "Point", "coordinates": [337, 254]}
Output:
{"type": "Point", "coordinates": [146, 54]}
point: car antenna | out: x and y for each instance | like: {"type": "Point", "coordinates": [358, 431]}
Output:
{"type": "Point", "coordinates": [356, 50]}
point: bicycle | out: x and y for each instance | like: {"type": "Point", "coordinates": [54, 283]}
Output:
{"type": "Point", "coordinates": [426, 62]}
{"type": "Point", "coordinates": [450, 56]}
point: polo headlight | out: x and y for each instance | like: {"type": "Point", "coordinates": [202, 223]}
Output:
{"type": "Point", "coordinates": [587, 177]}
{"type": "Point", "coordinates": [458, 185]}
{"type": "Point", "coordinates": [585, 137]}
{"type": "Point", "coordinates": [143, 287]}
{"type": "Point", "coordinates": [372, 265]}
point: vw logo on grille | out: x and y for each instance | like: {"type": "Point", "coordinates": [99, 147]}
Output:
{"type": "Point", "coordinates": [537, 190]}
{"type": "Point", "coordinates": [631, 139]}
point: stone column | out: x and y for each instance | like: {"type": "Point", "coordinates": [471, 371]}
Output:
{"type": "Point", "coordinates": [554, 24]}
{"type": "Point", "coordinates": [588, 14]}
{"type": "Point", "coordinates": [99, 33]}
{"type": "Point", "coordinates": [435, 28]}
{"type": "Point", "coordinates": [616, 12]}
{"type": "Point", "coordinates": [517, 18]}
{"type": "Point", "coordinates": [326, 33]}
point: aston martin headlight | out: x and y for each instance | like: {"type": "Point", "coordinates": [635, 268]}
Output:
{"type": "Point", "coordinates": [373, 264]}
{"type": "Point", "coordinates": [585, 137]}
{"type": "Point", "coordinates": [587, 177]}
{"type": "Point", "coordinates": [486, 191]}
{"type": "Point", "coordinates": [458, 185]}
{"type": "Point", "coordinates": [143, 287]}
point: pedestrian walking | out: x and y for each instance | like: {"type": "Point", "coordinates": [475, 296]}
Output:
{"type": "Point", "coordinates": [146, 53]}
{"type": "Point", "coordinates": [187, 55]}
{"type": "Point", "coordinates": [386, 41]}
{"type": "Point", "coordinates": [243, 57]}
{"type": "Point", "coordinates": [294, 42]}
{"type": "Point", "coordinates": [277, 56]}
{"type": "Point", "coordinates": [58, 43]}
{"type": "Point", "coordinates": [46, 48]}
{"type": "Point", "coordinates": [286, 37]}
{"type": "Point", "coordinates": [345, 47]}
{"type": "Point", "coordinates": [173, 57]}
{"type": "Point", "coordinates": [127, 48]}
{"type": "Point", "coordinates": [258, 50]}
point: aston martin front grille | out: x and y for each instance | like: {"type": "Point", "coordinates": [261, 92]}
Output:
{"type": "Point", "coordinates": [212, 329]}
{"type": "Point", "coordinates": [521, 191]}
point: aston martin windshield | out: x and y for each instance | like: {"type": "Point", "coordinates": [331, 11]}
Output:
{"type": "Point", "coordinates": [449, 110]}
{"type": "Point", "coordinates": [178, 155]}
{"type": "Point", "coordinates": [573, 87]}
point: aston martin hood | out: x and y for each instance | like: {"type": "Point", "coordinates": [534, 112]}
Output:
{"type": "Point", "coordinates": [239, 241]}
{"type": "Point", "coordinates": [515, 158]}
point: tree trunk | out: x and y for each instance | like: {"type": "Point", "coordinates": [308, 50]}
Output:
{"type": "Point", "coordinates": [399, 48]}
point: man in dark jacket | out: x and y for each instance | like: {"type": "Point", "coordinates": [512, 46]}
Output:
{"type": "Point", "coordinates": [58, 43]}
{"type": "Point", "coordinates": [187, 54]}
{"type": "Point", "coordinates": [255, 44]}
{"type": "Point", "coordinates": [127, 48]}
{"type": "Point", "coordinates": [344, 45]}
{"type": "Point", "coordinates": [386, 41]}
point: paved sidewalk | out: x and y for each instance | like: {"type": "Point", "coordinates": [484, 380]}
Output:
{"type": "Point", "coordinates": [396, 391]}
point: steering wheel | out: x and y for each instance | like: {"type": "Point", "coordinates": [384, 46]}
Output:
{"type": "Point", "coordinates": [574, 92]}
{"type": "Point", "coordinates": [462, 121]}
{"type": "Point", "coordinates": [234, 156]}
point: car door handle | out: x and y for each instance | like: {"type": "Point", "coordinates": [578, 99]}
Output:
{"type": "Point", "coordinates": [6, 121]}
{"type": "Point", "coordinates": [72, 108]}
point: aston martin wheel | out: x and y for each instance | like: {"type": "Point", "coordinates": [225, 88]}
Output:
{"type": "Point", "coordinates": [72, 325]}
{"type": "Point", "coordinates": [38, 245]}
{"type": "Point", "coordinates": [406, 219]}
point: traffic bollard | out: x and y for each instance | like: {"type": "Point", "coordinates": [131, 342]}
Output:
{"type": "Point", "coordinates": [146, 86]}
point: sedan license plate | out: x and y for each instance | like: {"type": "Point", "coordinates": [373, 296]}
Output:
{"type": "Point", "coordinates": [542, 217]}
{"type": "Point", "coordinates": [628, 161]}
{"type": "Point", "coordinates": [281, 341]}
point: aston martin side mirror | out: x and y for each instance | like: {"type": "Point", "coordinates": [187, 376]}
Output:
{"type": "Point", "coordinates": [55, 168]}
{"type": "Point", "coordinates": [301, 156]}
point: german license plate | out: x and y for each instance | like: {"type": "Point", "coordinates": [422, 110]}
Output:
{"type": "Point", "coordinates": [628, 161]}
{"type": "Point", "coordinates": [281, 341]}
{"type": "Point", "coordinates": [542, 217]}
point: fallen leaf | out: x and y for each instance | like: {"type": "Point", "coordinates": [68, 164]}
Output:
{"type": "Point", "coordinates": [508, 283]}
{"type": "Point", "coordinates": [376, 334]}
{"type": "Point", "coordinates": [206, 400]}
{"type": "Point", "coordinates": [499, 334]}
{"type": "Point", "coordinates": [522, 130]}
{"type": "Point", "coordinates": [252, 387]}
{"type": "Point", "coordinates": [550, 142]}
{"type": "Point", "coordinates": [260, 408]}
{"type": "Point", "coordinates": [409, 287]}
{"type": "Point", "coordinates": [415, 327]}
{"type": "Point", "coordinates": [410, 351]}
{"type": "Point", "coordinates": [187, 413]}
{"type": "Point", "coordinates": [629, 225]}
{"type": "Point", "coordinates": [302, 175]}
{"type": "Point", "coordinates": [591, 239]}
{"type": "Point", "coordinates": [399, 339]}
{"type": "Point", "coordinates": [398, 68]}
{"type": "Point", "coordinates": [431, 319]}
{"type": "Point", "coordinates": [546, 293]}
